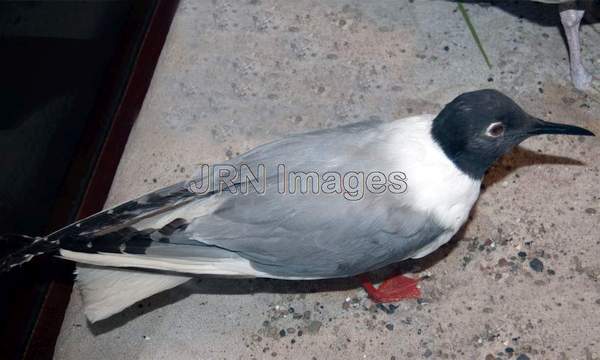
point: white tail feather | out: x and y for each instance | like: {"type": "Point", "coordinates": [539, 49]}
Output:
{"type": "Point", "coordinates": [238, 267]}
{"type": "Point", "coordinates": [107, 291]}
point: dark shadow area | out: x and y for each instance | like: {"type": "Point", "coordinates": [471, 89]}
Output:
{"type": "Point", "coordinates": [521, 157]}
{"type": "Point", "coordinates": [543, 14]}
{"type": "Point", "coordinates": [540, 13]}
{"type": "Point", "coordinates": [223, 286]}
{"type": "Point", "coordinates": [64, 68]}
{"type": "Point", "coordinates": [51, 74]}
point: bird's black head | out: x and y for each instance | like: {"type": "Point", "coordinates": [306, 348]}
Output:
{"type": "Point", "coordinates": [478, 127]}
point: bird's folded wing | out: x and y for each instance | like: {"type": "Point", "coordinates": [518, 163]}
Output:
{"type": "Point", "coordinates": [265, 235]}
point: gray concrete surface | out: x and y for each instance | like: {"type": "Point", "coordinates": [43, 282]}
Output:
{"type": "Point", "coordinates": [237, 74]}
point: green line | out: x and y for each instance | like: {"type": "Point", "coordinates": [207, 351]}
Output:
{"type": "Point", "coordinates": [462, 10]}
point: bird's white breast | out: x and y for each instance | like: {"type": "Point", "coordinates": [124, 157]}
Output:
{"type": "Point", "coordinates": [435, 185]}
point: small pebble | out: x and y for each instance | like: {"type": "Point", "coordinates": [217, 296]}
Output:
{"type": "Point", "coordinates": [390, 327]}
{"type": "Point", "coordinates": [522, 357]}
{"type": "Point", "coordinates": [314, 326]}
{"type": "Point", "coordinates": [537, 265]}
{"type": "Point", "coordinates": [509, 350]}
{"type": "Point", "coordinates": [522, 255]}
{"type": "Point", "coordinates": [387, 310]}
{"type": "Point", "coordinates": [282, 333]}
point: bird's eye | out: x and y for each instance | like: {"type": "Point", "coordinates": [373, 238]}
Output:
{"type": "Point", "coordinates": [495, 130]}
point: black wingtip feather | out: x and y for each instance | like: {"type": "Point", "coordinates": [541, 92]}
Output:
{"type": "Point", "coordinates": [19, 249]}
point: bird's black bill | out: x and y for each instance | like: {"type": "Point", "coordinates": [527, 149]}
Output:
{"type": "Point", "coordinates": [544, 127]}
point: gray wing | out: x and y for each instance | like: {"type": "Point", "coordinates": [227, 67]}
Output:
{"type": "Point", "coordinates": [284, 235]}
{"type": "Point", "coordinates": [314, 235]}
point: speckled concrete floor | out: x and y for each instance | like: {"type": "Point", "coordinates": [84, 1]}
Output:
{"type": "Point", "coordinates": [237, 74]}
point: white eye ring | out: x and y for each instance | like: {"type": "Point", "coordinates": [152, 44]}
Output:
{"type": "Point", "coordinates": [495, 130]}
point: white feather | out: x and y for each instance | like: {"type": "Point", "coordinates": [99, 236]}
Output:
{"type": "Point", "coordinates": [238, 267]}
{"type": "Point", "coordinates": [434, 184]}
{"type": "Point", "coordinates": [106, 292]}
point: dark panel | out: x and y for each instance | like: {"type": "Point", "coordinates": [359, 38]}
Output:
{"type": "Point", "coordinates": [74, 75]}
